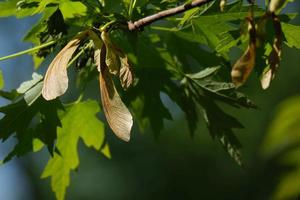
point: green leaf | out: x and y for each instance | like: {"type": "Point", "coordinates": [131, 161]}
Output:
{"type": "Point", "coordinates": [106, 151]}
{"type": "Point", "coordinates": [79, 121]}
{"type": "Point", "coordinates": [39, 27]}
{"type": "Point", "coordinates": [221, 126]}
{"type": "Point", "coordinates": [218, 30]}
{"type": "Point", "coordinates": [11, 95]}
{"type": "Point", "coordinates": [203, 90]}
{"type": "Point", "coordinates": [285, 128]}
{"type": "Point", "coordinates": [282, 143]}
{"type": "Point", "coordinates": [1, 80]}
{"type": "Point", "coordinates": [32, 89]}
{"type": "Point", "coordinates": [25, 86]}
{"type": "Point", "coordinates": [8, 8]}
{"type": "Point", "coordinates": [18, 118]}
{"type": "Point", "coordinates": [205, 73]}
{"type": "Point", "coordinates": [49, 121]}
{"type": "Point", "coordinates": [42, 5]}
{"type": "Point", "coordinates": [24, 145]}
{"type": "Point", "coordinates": [147, 104]}
{"type": "Point", "coordinates": [291, 33]}
{"type": "Point", "coordinates": [72, 9]}
{"type": "Point", "coordinates": [37, 145]}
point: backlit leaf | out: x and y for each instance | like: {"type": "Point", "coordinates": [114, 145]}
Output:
{"type": "Point", "coordinates": [78, 122]}
{"type": "Point", "coordinates": [290, 33]}
{"type": "Point", "coordinates": [71, 9]}
{"type": "Point", "coordinates": [1, 80]}
{"type": "Point", "coordinates": [25, 86]}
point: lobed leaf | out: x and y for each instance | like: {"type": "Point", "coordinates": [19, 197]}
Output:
{"type": "Point", "coordinates": [290, 33]}
{"type": "Point", "coordinates": [78, 122]}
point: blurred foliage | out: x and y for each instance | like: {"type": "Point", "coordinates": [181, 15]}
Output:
{"type": "Point", "coordinates": [282, 143]}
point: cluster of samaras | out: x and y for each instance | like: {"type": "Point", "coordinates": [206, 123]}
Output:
{"type": "Point", "coordinates": [244, 66]}
{"type": "Point", "coordinates": [110, 61]}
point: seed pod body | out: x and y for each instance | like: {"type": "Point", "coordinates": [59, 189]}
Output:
{"type": "Point", "coordinates": [276, 5]}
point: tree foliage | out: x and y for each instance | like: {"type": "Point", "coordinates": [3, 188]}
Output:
{"type": "Point", "coordinates": [188, 57]}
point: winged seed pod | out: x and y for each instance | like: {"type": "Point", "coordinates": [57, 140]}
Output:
{"type": "Point", "coordinates": [244, 66]}
{"type": "Point", "coordinates": [276, 5]}
{"type": "Point", "coordinates": [274, 57]}
{"type": "Point", "coordinates": [223, 5]}
{"type": "Point", "coordinates": [56, 78]}
{"type": "Point", "coordinates": [117, 114]}
{"type": "Point", "coordinates": [126, 74]}
{"type": "Point", "coordinates": [111, 59]}
{"type": "Point", "coordinates": [96, 39]}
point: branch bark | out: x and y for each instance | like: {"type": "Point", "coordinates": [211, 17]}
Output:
{"type": "Point", "coordinates": [139, 24]}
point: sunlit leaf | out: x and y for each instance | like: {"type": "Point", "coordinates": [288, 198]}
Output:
{"type": "Point", "coordinates": [78, 122]}
{"type": "Point", "coordinates": [8, 8]}
{"type": "Point", "coordinates": [1, 80]}
{"type": "Point", "coordinates": [290, 32]}
{"type": "Point", "coordinates": [25, 86]}
{"type": "Point", "coordinates": [71, 9]}
{"type": "Point", "coordinates": [205, 73]}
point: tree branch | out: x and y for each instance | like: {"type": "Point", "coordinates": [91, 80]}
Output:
{"type": "Point", "coordinates": [137, 25]}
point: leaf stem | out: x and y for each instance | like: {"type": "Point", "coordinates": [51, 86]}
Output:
{"type": "Point", "coordinates": [80, 53]}
{"type": "Point", "coordinates": [131, 7]}
{"type": "Point", "coordinates": [105, 26]}
{"type": "Point", "coordinates": [27, 51]}
{"type": "Point", "coordinates": [79, 98]}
